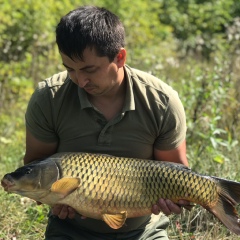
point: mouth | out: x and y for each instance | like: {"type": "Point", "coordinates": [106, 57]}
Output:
{"type": "Point", "coordinates": [89, 89]}
{"type": "Point", "coordinates": [7, 183]}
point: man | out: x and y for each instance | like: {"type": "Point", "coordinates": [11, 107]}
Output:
{"type": "Point", "coordinates": [102, 105]}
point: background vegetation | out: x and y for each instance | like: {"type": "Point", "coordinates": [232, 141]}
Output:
{"type": "Point", "coordinates": [191, 44]}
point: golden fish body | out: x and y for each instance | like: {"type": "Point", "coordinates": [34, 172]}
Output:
{"type": "Point", "coordinates": [113, 188]}
{"type": "Point", "coordinates": [110, 184]}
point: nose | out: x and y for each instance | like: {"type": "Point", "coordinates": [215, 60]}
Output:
{"type": "Point", "coordinates": [81, 79]}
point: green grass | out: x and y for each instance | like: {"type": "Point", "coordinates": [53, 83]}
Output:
{"type": "Point", "coordinates": [21, 218]}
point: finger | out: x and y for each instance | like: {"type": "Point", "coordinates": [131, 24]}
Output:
{"type": "Point", "coordinates": [183, 202]}
{"type": "Point", "coordinates": [155, 209]}
{"type": "Point", "coordinates": [174, 208]}
{"type": "Point", "coordinates": [71, 213]}
{"type": "Point", "coordinates": [164, 207]}
{"type": "Point", "coordinates": [63, 213]}
{"type": "Point", "coordinates": [56, 209]}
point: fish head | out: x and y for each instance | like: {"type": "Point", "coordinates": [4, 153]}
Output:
{"type": "Point", "coordinates": [33, 180]}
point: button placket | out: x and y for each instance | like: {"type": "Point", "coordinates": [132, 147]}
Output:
{"type": "Point", "coordinates": [105, 136]}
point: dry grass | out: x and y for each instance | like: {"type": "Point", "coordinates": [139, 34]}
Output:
{"type": "Point", "coordinates": [198, 224]}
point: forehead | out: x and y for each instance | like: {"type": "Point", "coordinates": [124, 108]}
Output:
{"type": "Point", "coordinates": [89, 58]}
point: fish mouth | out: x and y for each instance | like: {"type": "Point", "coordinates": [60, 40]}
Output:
{"type": "Point", "coordinates": [7, 183]}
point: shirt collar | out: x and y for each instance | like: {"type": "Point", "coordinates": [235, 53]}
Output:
{"type": "Point", "coordinates": [129, 104]}
{"type": "Point", "coordinates": [84, 102]}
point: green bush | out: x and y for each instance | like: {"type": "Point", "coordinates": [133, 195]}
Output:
{"type": "Point", "coordinates": [199, 25]}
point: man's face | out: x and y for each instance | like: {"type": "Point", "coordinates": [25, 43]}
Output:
{"type": "Point", "coordinates": [96, 75]}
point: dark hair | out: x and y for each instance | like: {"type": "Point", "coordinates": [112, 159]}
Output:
{"type": "Point", "coordinates": [93, 27]}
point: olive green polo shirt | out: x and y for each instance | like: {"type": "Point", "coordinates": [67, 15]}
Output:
{"type": "Point", "coordinates": [152, 117]}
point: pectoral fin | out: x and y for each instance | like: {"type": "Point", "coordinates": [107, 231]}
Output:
{"type": "Point", "coordinates": [65, 186]}
{"type": "Point", "coordinates": [115, 221]}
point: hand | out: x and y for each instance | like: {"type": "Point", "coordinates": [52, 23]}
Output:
{"type": "Point", "coordinates": [168, 207]}
{"type": "Point", "coordinates": [63, 211]}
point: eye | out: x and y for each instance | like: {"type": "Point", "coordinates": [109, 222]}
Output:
{"type": "Point", "coordinates": [28, 170]}
{"type": "Point", "coordinates": [90, 70]}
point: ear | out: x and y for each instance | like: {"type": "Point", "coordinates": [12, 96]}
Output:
{"type": "Point", "coordinates": [121, 57]}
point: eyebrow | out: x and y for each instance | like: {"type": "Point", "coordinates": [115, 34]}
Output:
{"type": "Point", "coordinates": [84, 68]}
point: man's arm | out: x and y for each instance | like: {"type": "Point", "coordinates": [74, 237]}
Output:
{"type": "Point", "coordinates": [177, 155]}
{"type": "Point", "coordinates": [36, 149]}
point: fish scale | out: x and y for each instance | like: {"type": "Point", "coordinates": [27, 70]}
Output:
{"type": "Point", "coordinates": [115, 188]}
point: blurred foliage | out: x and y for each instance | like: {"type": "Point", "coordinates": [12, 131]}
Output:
{"type": "Point", "coordinates": [27, 43]}
{"type": "Point", "coordinates": [199, 25]}
{"type": "Point", "coordinates": [209, 94]}
{"type": "Point", "coordinates": [192, 45]}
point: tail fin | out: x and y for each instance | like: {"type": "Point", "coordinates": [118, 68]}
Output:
{"type": "Point", "coordinates": [224, 210]}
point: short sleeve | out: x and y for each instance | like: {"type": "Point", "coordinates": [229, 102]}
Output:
{"type": "Point", "coordinates": [173, 129]}
{"type": "Point", "coordinates": [39, 115]}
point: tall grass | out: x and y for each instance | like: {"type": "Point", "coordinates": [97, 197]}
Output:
{"type": "Point", "coordinates": [20, 218]}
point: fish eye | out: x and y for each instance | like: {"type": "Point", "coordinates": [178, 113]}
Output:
{"type": "Point", "coordinates": [28, 170]}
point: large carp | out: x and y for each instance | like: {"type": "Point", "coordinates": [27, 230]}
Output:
{"type": "Point", "coordinates": [113, 188]}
